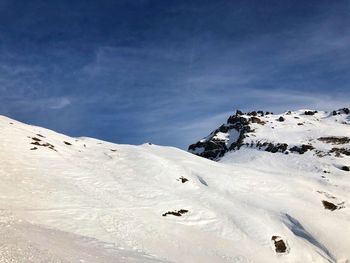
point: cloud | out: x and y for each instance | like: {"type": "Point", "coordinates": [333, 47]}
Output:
{"type": "Point", "coordinates": [58, 103]}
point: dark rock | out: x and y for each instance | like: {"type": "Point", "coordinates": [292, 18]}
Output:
{"type": "Point", "coordinates": [339, 151]}
{"type": "Point", "coordinates": [34, 148]}
{"type": "Point", "coordinates": [310, 112]}
{"type": "Point", "coordinates": [299, 124]}
{"type": "Point", "coordinates": [213, 149]}
{"type": "Point", "coordinates": [36, 139]}
{"type": "Point", "coordinates": [239, 142]}
{"type": "Point", "coordinates": [67, 143]}
{"type": "Point", "coordinates": [257, 120]}
{"type": "Point", "coordinates": [301, 149]}
{"type": "Point", "coordinates": [238, 112]}
{"type": "Point", "coordinates": [224, 128]}
{"type": "Point", "coordinates": [274, 148]}
{"type": "Point", "coordinates": [345, 168]}
{"type": "Point", "coordinates": [236, 119]}
{"type": "Point", "coordinates": [346, 110]}
{"type": "Point", "coordinates": [176, 213]}
{"type": "Point", "coordinates": [281, 119]}
{"type": "Point", "coordinates": [280, 246]}
{"type": "Point", "coordinates": [329, 205]}
{"type": "Point", "coordinates": [183, 179]}
{"type": "Point", "coordinates": [341, 111]}
{"type": "Point", "coordinates": [50, 146]}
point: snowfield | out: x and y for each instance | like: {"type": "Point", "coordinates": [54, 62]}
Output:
{"type": "Point", "coordinates": [66, 199]}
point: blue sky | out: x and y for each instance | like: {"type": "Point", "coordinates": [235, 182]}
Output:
{"type": "Point", "coordinates": [168, 71]}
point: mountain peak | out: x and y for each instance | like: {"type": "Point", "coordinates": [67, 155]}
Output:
{"type": "Point", "coordinates": [289, 132]}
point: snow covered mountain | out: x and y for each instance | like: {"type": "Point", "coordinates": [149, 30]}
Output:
{"type": "Point", "coordinates": [68, 199]}
{"type": "Point", "coordinates": [324, 133]}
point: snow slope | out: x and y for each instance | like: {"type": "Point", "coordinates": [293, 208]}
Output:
{"type": "Point", "coordinates": [68, 199]}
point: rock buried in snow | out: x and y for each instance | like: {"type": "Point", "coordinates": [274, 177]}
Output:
{"type": "Point", "coordinates": [280, 245]}
{"type": "Point", "coordinates": [48, 145]}
{"type": "Point", "coordinates": [176, 213]}
{"type": "Point", "coordinates": [345, 168]}
{"type": "Point", "coordinates": [67, 143]}
{"type": "Point", "coordinates": [329, 205]}
{"type": "Point", "coordinates": [183, 179]}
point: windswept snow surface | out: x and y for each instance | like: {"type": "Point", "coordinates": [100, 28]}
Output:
{"type": "Point", "coordinates": [68, 199]}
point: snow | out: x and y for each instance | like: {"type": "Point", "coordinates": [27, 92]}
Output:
{"type": "Point", "coordinates": [94, 201]}
{"type": "Point", "coordinates": [288, 131]}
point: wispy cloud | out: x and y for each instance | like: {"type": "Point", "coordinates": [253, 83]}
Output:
{"type": "Point", "coordinates": [174, 78]}
{"type": "Point", "coordinates": [58, 103]}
